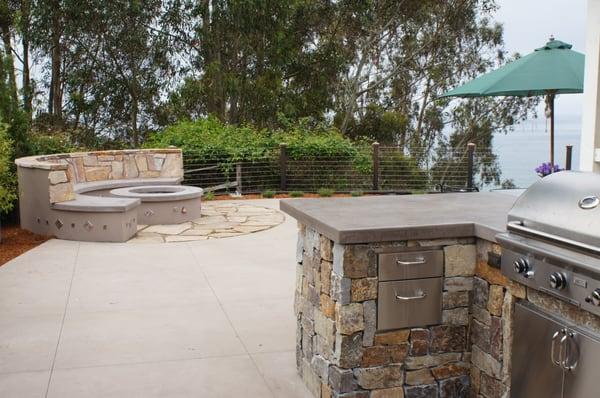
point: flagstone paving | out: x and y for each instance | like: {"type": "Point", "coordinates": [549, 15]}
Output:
{"type": "Point", "coordinates": [211, 318]}
{"type": "Point", "coordinates": [219, 220]}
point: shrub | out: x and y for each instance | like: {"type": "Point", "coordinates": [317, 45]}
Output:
{"type": "Point", "coordinates": [211, 139]}
{"type": "Point", "coordinates": [208, 196]}
{"type": "Point", "coordinates": [7, 176]}
{"type": "Point", "coordinates": [356, 193]}
{"type": "Point", "coordinates": [46, 144]}
{"type": "Point", "coordinates": [296, 194]}
{"type": "Point", "coordinates": [268, 194]}
{"type": "Point", "coordinates": [325, 192]}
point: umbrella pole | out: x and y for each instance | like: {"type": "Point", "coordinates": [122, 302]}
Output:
{"type": "Point", "coordinates": [551, 95]}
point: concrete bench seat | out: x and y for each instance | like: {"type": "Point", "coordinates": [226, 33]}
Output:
{"type": "Point", "coordinates": [100, 204]}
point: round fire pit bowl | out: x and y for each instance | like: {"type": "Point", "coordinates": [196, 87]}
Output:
{"type": "Point", "coordinates": [164, 204]}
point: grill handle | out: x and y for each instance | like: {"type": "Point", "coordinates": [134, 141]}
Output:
{"type": "Point", "coordinates": [553, 347]}
{"type": "Point", "coordinates": [518, 226]}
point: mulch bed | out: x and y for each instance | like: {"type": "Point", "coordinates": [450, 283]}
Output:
{"type": "Point", "coordinates": [16, 241]}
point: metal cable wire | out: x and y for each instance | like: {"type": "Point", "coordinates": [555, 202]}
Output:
{"type": "Point", "coordinates": [398, 170]}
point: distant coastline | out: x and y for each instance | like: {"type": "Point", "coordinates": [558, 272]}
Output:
{"type": "Point", "coordinates": [522, 150]}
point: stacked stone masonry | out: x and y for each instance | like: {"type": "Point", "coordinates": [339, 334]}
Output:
{"type": "Point", "coordinates": [339, 352]}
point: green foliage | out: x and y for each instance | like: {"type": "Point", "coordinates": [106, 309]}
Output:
{"type": "Point", "coordinates": [356, 193]}
{"type": "Point", "coordinates": [7, 176]}
{"type": "Point", "coordinates": [47, 141]}
{"type": "Point", "coordinates": [268, 194]}
{"type": "Point", "coordinates": [378, 124]}
{"type": "Point", "coordinates": [296, 194]}
{"type": "Point", "coordinates": [325, 192]}
{"type": "Point", "coordinates": [399, 171]}
{"type": "Point", "coordinates": [208, 196]}
{"type": "Point", "coordinates": [42, 144]}
{"type": "Point", "coordinates": [211, 139]}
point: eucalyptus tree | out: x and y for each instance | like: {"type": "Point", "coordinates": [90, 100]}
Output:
{"type": "Point", "coordinates": [119, 58]}
{"type": "Point", "coordinates": [258, 59]}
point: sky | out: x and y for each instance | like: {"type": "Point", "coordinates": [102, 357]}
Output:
{"type": "Point", "coordinates": [529, 23]}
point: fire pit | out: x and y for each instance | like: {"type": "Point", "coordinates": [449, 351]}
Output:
{"type": "Point", "coordinates": [164, 204]}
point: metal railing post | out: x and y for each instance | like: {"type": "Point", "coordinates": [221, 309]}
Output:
{"type": "Point", "coordinates": [283, 166]}
{"type": "Point", "coordinates": [568, 161]}
{"type": "Point", "coordinates": [238, 178]}
{"type": "Point", "coordinates": [470, 162]}
{"type": "Point", "coordinates": [375, 166]}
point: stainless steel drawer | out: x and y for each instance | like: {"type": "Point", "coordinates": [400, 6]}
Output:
{"type": "Point", "coordinates": [403, 304]}
{"type": "Point", "coordinates": [411, 265]}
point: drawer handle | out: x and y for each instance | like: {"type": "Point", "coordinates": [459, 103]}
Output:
{"type": "Point", "coordinates": [421, 295]}
{"type": "Point", "coordinates": [418, 260]}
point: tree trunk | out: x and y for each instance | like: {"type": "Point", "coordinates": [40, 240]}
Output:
{"type": "Point", "coordinates": [26, 82]}
{"type": "Point", "coordinates": [55, 96]}
{"type": "Point", "coordinates": [134, 122]}
{"type": "Point", "coordinates": [5, 26]}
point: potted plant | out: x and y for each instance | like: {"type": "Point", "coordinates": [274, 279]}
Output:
{"type": "Point", "coordinates": [545, 169]}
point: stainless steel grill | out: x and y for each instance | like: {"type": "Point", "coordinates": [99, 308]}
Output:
{"type": "Point", "coordinates": [553, 239]}
{"type": "Point", "coordinates": [553, 245]}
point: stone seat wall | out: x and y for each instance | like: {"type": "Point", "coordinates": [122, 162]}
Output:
{"type": "Point", "coordinates": [66, 170]}
{"type": "Point", "coordinates": [48, 180]}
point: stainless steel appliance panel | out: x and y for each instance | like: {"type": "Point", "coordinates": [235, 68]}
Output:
{"type": "Point", "coordinates": [534, 375]}
{"type": "Point", "coordinates": [584, 358]}
{"type": "Point", "coordinates": [403, 304]}
{"type": "Point", "coordinates": [411, 265]}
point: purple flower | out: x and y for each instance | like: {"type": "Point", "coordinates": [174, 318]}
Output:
{"type": "Point", "coordinates": [545, 169]}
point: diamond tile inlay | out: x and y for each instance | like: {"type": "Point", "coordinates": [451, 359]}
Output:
{"type": "Point", "coordinates": [59, 224]}
{"type": "Point", "coordinates": [88, 225]}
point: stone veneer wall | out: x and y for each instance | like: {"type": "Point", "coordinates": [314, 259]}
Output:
{"type": "Point", "coordinates": [66, 170]}
{"type": "Point", "coordinates": [492, 307]}
{"type": "Point", "coordinates": [339, 353]}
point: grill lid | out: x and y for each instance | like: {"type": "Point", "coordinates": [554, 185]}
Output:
{"type": "Point", "coordinates": [564, 207]}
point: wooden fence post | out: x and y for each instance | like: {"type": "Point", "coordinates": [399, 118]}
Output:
{"type": "Point", "coordinates": [283, 167]}
{"type": "Point", "coordinates": [238, 178]}
{"type": "Point", "coordinates": [568, 162]}
{"type": "Point", "coordinates": [470, 162]}
{"type": "Point", "coordinates": [375, 166]}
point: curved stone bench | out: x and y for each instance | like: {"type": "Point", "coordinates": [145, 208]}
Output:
{"type": "Point", "coordinates": [66, 195]}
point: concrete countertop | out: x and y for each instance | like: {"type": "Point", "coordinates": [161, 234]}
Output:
{"type": "Point", "coordinates": [392, 218]}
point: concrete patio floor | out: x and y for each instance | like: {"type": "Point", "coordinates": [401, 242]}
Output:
{"type": "Point", "coordinates": [211, 318]}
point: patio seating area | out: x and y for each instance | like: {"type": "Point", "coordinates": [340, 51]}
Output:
{"type": "Point", "coordinates": [209, 318]}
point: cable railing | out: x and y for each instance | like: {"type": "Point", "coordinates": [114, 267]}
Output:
{"type": "Point", "coordinates": [384, 170]}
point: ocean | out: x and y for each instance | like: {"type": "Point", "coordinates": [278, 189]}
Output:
{"type": "Point", "coordinates": [522, 150]}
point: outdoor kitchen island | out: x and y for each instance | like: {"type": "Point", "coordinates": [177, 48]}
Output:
{"type": "Point", "coordinates": [402, 296]}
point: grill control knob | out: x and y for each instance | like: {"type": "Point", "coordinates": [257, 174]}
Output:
{"type": "Point", "coordinates": [558, 280]}
{"type": "Point", "coordinates": [596, 297]}
{"type": "Point", "coordinates": [521, 265]}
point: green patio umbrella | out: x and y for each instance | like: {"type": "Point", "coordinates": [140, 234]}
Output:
{"type": "Point", "coordinates": [549, 70]}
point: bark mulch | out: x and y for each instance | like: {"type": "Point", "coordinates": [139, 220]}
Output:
{"type": "Point", "coordinates": [16, 241]}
